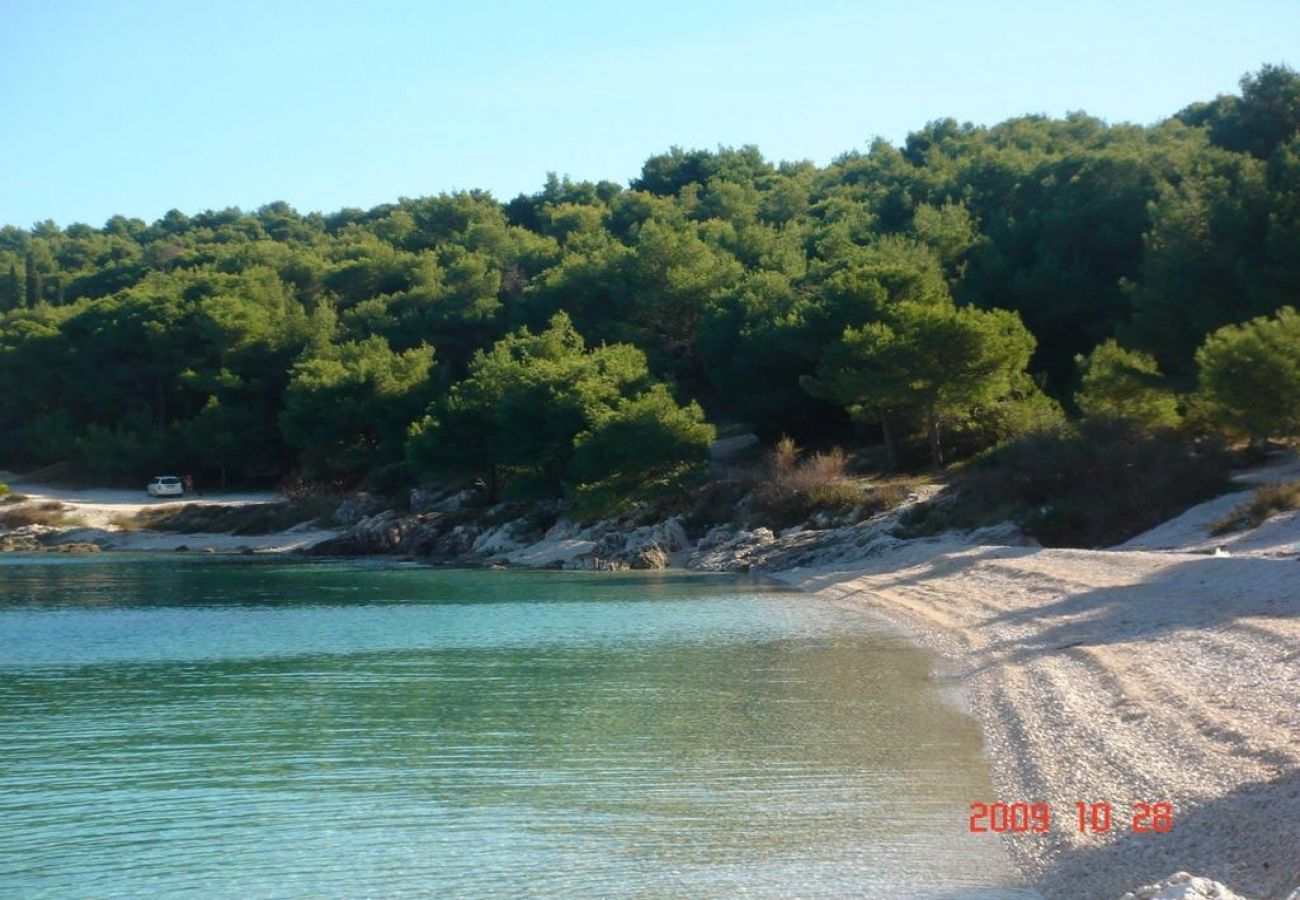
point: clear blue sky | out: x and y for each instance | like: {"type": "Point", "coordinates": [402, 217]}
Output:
{"type": "Point", "coordinates": [136, 108]}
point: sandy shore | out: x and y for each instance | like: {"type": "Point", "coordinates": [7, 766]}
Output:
{"type": "Point", "coordinates": [1122, 676]}
{"type": "Point", "coordinates": [98, 512]}
{"type": "Point", "coordinates": [99, 507]}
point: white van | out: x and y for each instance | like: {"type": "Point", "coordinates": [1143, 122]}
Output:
{"type": "Point", "coordinates": [165, 486]}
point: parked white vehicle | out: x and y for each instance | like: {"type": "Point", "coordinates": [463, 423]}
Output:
{"type": "Point", "coordinates": [166, 486]}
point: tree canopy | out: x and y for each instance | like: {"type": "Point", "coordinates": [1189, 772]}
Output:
{"type": "Point", "coordinates": [1250, 376]}
{"type": "Point", "coordinates": [936, 295]}
{"type": "Point", "coordinates": [542, 410]}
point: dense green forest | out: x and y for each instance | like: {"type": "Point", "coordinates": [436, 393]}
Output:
{"type": "Point", "coordinates": [936, 299]}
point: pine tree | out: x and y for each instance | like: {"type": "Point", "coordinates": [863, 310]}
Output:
{"type": "Point", "coordinates": [11, 291]}
{"type": "Point", "coordinates": [33, 281]}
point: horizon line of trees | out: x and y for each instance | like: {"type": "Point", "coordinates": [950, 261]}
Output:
{"type": "Point", "coordinates": [975, 284]}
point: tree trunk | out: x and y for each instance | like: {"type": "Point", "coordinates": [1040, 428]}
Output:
{"type": "Point", "coordinates": [936, 448]}
{"type": "Point", "coordinates": [891, 440]}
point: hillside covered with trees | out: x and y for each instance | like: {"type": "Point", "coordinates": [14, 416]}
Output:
{"type": "Point", "coordinates": [976, 285]}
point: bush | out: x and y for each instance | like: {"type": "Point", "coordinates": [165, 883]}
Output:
{"type": "Point", "coordinates": [889, 494]}
{"type": "Point", "coordinates": [1265, 502]}
{"type": "Point", "coordinates": [1250, 376]}
{"type": "Point", "coordinates": [794, 489]}
{"type": "Point", "coordinates": [252, 518]}
{"type": "Point", "coordinates": [127, 449]}
{"type": "Point", "coordinates": [4, 488]}
{"type": "Point", "coordinates": [647, 448]}
{"type": "Point", "coordinates": [1022, 411]}
{"type": "Point", "coordinates": [14, 497]}
{"type": "Point", "coordinates": [1125, 384]}
{"type": "Point", "coordinates": [390, 479]}
{"type": "Point", "coordinates": [715, 502]}
{"type": "Point", "coordinates": [51, 514]}
{"type": "Point", "coordinates": [1089, 485]}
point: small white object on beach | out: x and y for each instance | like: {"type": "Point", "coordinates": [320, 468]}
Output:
{"type": "Point", "coordinates": [1220, 552]}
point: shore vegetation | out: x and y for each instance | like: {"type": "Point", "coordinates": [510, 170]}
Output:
{"type": "Point", "coordinates": [1267, 500]}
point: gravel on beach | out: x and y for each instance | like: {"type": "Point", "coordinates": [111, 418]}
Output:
{"type": "Point", "coordinates": [1124, 677]}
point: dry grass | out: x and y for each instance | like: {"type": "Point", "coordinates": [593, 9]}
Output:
{"type": "Point", "coordinates": [1267, 501]}
{"type": "Point", "coordinates": [125, 522]}
{"type": "Point", "coordinates": [885, 495]}
{"type": "Point", "coordinates": [50, 513]}
{"type": "Point", "coordinates": [796, 488]}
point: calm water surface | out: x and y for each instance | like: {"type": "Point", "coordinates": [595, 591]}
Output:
{"type": "Point", "coordinates": [253, 728]}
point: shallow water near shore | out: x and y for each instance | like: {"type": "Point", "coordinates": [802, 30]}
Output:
{"type": "Point", "coordinates": [252, 727]}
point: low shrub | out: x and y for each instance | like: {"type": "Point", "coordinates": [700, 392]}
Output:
{"type": "Point", "coordinates": [715, 502]}
{"type": "Point", "coordinates": [124, 522]}
{"type": "Point", "coordinates": [1266, 501]}
{"type": "Point", "coordinates": [390, 479]}
{"type": "Point", "coordinates": [14, 497]}
{"type": "Point", "coordinates": [1086, 485]}
{"type": "Point", "coordinates": [51, 513]}
{"type": "Point", "coordinates": [795, 488]}
{"type": "Point", "coordinates": [888, 495]}
{"type": "Point", "coordinates": [248, 519]}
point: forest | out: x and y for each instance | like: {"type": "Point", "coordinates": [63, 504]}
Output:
{"type": "Point", "coordinates": [974, 287]}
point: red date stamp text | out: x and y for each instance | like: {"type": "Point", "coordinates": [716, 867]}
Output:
{"type": "Point", "coordinates": [1088, 818]}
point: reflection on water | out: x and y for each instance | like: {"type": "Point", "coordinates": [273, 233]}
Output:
{"type": "Point", "coordinates": [255, 728]}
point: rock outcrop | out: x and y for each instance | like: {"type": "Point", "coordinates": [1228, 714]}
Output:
{"type": "Point", "coordinates": [1183, 886]}
{"type": "Point", "coordinates": [386, 532]}
{"type": "Point", "coordinates": [542, 536]}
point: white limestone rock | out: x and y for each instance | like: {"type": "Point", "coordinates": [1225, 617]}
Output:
{"type": "Point", "coordinates": [1184, 886]}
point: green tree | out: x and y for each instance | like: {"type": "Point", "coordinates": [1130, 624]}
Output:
{"type": "Point", "coordinates": [517, 416]}
{"type": "Point", "coordinates": [644, 446]}
{"type": "Point", "coordinates": [11, 290]}
{"type": "Point", "coordinates": [521, 405]}
{"type": "Point", "coordinates": [347, 409]}
{"type": "Point", "coordinates": [948, 230]}
{"type": "Point", "coordinates": [931, 360]}
{"type": "Point", "coordinates": [1204, 252]}
{"type": "Point", "coordinates": [1250, 376]}
{"type": "Point", "coordinates": [733, 278]}
{"type": "Point", "coordinates": [1125, 384]}
{"type": "Point", "coordinates": [31, 280]}
{"type": "Point", "coordinates": [755, 345]}
{"type": "Point", "coordinates": [221, 437]}
{"type": "Point", "coordinates": [1266, 114]}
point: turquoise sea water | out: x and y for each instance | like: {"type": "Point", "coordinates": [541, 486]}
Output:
{"type": "Point", "coordinates": [262, 728]}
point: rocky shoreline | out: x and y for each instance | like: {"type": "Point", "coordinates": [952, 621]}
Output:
{"type": "Point", "coordinates": [543, 536]}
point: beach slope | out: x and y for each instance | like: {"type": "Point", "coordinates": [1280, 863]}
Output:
{"type": "Point", "coordinates": [1124, 676]}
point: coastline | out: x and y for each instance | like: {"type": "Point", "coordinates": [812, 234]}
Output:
{"type": "Point", "coordinates": [1117, 676]}
{"type": "Point", "coordinates": [1164, 670]}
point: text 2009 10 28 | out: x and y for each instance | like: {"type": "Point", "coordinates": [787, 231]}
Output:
{"type": "Point", "coordinates": [1095, 818]}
